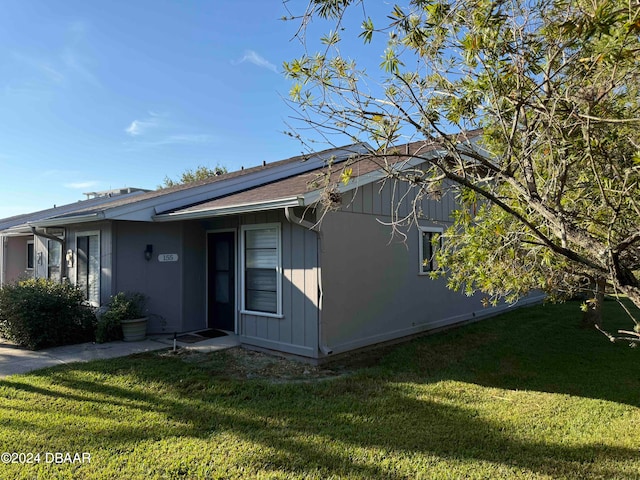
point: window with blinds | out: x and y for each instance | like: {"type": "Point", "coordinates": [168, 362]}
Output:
{"type": "Point", "coordinates": [261, 262]}
{"type": "Point", "coordinates": [54, 262]}
{"type": "Point", "coordinates": [88, 266]}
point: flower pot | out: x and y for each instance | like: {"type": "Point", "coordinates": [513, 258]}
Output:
{"type": "Point", "coordinates": [134, 330]}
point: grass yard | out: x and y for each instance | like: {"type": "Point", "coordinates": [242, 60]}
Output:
{"type": "Point", "coordinates": [524, 395]}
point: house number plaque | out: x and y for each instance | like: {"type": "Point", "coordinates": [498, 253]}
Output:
{"type": "Point", "coordinates": [168, 257]}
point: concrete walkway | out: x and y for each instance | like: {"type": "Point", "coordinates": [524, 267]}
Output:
{"type": "Point", "coordinates": [15, 360]}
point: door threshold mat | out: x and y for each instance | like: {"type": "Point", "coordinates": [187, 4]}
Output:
{"type": "Point", "coordinates": [212, 333]}
{"type": "Point", "coordinates": [199, 336]}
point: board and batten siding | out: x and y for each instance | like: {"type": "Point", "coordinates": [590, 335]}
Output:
{"type": "Point", "coordinates": [296, 331]}
{"type": "Point", "coordinates": [397, 197]}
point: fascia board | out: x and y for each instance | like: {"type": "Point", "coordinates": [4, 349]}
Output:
{"type": "Point", "coordinates": [132, 213]}
{"type": "Point", "coordinates": [230, 210]}
{"type": "Point", "coordinates": [19, 231]}
{"type": "Point", "coordinates": [61, 212]}
{"type": "Point", "coordinates": [71, 220]}
{"type": "Point", "coordinates": [371, 177]}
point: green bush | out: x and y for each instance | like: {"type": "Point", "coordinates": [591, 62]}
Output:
{"type": "Point", "coordinates": [108, 329]}
{"type": "Point", "coordinates": [122, 306]}
{"type": "Point", "coordinates": [39, 313]}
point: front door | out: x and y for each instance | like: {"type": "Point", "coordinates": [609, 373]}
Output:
{"type": "Point", "coordinates": [221, 277]}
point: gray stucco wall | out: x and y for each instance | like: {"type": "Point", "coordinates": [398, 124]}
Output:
{"type": "Point", "coordinates": [175, 301]}
{"type": "Point", "coordinates": [15, 259]}
{"type": "Point", "coordinates": [161, 282]}
{"type": "Point", "coordinates": [194, 254]}
{"type": "Point", "coordinates": [373, 291]}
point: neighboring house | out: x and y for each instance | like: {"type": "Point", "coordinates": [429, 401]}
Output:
{"type": "Point", "coordinates": [28, 252]}
{"type": "Point", "coordinates": [253, 253]}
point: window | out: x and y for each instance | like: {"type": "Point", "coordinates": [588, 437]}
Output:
{"type": "Point", "coordinates": [88, 265]}
{"type": "Point", "coordinates": [54, 263]}
{"type": "Point", "coordinates": [30, 255]}
{"type": "Point", "coordinates": [430, 241]}
{"type": "Point", "coordinates": [261, 281]}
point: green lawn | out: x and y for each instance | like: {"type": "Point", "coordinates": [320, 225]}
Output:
{"type": "Point", "coordinates": [524, 395]}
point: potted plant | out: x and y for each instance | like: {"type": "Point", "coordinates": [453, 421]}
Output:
{"type": "Point", "coordinates": [124, 319]}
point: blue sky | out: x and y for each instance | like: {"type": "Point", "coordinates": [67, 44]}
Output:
{"type": "Point", "coordinates": [106, 94]}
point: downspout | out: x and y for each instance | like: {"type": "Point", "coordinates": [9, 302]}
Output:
{"type": "Point", "coordinates": [3, 247]}
{"type": "Point", "coordinates": [63, 265]}
{"type": "Point", "coordinates": [292, 218]}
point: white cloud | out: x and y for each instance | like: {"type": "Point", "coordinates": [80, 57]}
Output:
{"type": "Point", "coordinates": [188, 138]}
{"type": "Point", "coordinates": [258, 60]}
{"type": "Point", "coordinates": [81, 185]}
{"type": "Point", "coordinates": [68, 63]}
{"type": "Point", "coordinates": [136, 128]}
{"type": "Point", "coordinates": [42, 66]}
{"type": "Point", "coordinates": [180, 139]}
{"type": "Point", "coordinates": [74, 63]}
{"type": "Point", "coordinates": [140, 127]}
{"type": "Point", "coordinates": [158, 130]}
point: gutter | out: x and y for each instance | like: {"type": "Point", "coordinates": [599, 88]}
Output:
{"type": "Point", "coordinates": [292, 218]}
{"type": "Point", "coordinates": [3, 247]}
{"type": "Point", "coordinates": [58, 221]}
{"type": "Point", "coordinates": [230, 210]}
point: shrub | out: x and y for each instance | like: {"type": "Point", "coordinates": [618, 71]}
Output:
{"type": "Point", "coordinates": [39, 313]}
{"type": "Point", "coordinates": [122, 306]}
{"type": "Point", "coordinates": [108, 329]}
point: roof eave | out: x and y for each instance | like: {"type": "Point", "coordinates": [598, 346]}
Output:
{"type": "Point", "coordinates": [71, 220]}
{"type": "Point", "coordinates": [17, 231]}
{"type": "Point", "coordinates": [230, 210]}
{"type": "Point", "coordinates": [313, 196]}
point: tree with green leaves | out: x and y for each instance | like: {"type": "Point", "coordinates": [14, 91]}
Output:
{"type": "Point", "coordinates": [549, 191]}
{"type": "Point", "coordinates": [193, 175]}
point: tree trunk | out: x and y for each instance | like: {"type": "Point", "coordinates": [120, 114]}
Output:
{"type": "Point", "coordinates": [633, 293]}
{"type": "Point", "coordinates": [593, 315]}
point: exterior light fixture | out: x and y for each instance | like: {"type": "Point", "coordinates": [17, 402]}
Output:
{"type": "Point", "coordinates": [148, 252]}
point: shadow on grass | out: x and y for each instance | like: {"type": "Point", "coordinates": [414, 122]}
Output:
{"type": "Point", "coordinates": [324, 427]}
{"type": "Point", "coordinates": [542, 348]}
{"type": "Point", "coordinates": [310, 427]}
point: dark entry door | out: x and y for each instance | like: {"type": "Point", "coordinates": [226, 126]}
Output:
{"type": "Point", "coordinates": [221, 280]}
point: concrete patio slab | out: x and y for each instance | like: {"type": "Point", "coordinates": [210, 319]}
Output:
{"type": "Point", "coordinates": [17, 360]}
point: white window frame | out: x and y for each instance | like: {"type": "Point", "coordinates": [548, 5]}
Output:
{"type": "Point", "coordinates": [261, 226]}
{"type": "Point", "coordinates": [421, 232]}
{"type": "Point", "coordinates": [33, 248]}
{"type": "Point", "coordinates": [75, 261]}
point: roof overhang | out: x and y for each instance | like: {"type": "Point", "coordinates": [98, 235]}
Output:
{"type": "Point", "coordinates": [230, 210]}
{"type": "Point", "coordinates": [70, 220]}
{"type": "Point", "coordinates": [25, 228]}
{"type": "Point", "coordinates": [313, 196]}
{"type": "Point", "coordinates": [19, 231]}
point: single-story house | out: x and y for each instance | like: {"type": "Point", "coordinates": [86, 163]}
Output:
{"type": "Point", "coordinates": [254, 253]}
